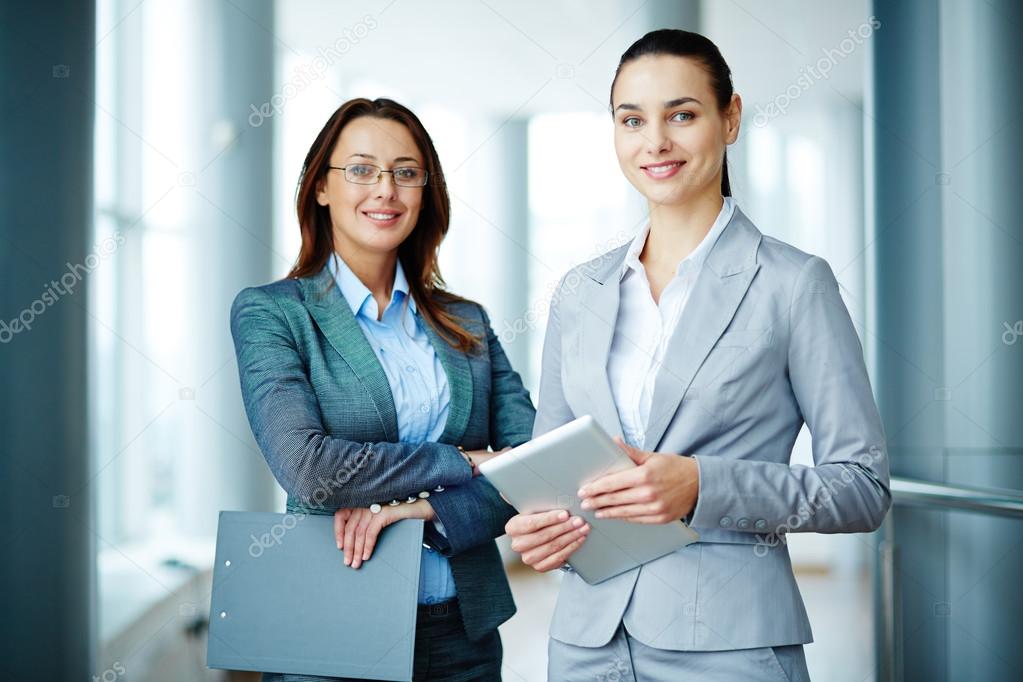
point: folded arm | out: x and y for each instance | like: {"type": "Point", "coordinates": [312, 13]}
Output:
{"type": "Point", "coordinates": [316, 468]}
{"type": "Point", "coordinates": [473, 513]}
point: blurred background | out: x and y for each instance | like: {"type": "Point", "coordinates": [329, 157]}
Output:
{"type": "Point", "coordinates": [150, 152]}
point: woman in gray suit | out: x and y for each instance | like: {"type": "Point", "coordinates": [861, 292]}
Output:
{"type": "Point", "coordinates": [374, 393]}
{"type": "Point", "coordinates": [704, 346]}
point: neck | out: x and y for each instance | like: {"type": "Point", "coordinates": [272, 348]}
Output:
{"type": "Point", "coordinates": [676, 230]}
{"type": "Point", "coordinates": [375, 270]}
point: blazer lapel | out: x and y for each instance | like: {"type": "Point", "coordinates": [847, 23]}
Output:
{"type": "Point", "coordinates": [723, 281]}
{"type": "Point", "coordinates": [456, 366]}
{"type": "Point", "coordinates": [598, 299]}
{"type": "Point", "coordinates": [334, 317]}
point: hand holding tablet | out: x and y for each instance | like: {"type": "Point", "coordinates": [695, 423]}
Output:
{"type": "Point", "coordinates": [546, 474]}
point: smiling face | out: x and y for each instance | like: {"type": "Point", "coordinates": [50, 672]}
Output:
{"type": "Point", "coordinates": [670, 135]}
{"type": "Point", "coordinates": [371, 219]}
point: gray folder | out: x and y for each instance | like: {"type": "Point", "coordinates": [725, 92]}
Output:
{"type": "Point", "coordinates": [283, 600]}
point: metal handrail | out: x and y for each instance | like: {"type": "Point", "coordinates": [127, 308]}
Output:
{"type": "Point", "coordinates": [984, 500]}
{"type": "Point", "coordinates": [940, 497]}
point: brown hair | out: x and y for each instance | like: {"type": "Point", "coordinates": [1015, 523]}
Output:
{"type": "Point", "coordinates": [679, 43]}
{"type": "Point", "coordinates": [418, 253]}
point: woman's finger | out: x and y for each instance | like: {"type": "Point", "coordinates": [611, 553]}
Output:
{"type": "Point", "coordinates": [542, 554]}
{"type": "Point", "coordinates": [650, 519]}
{"type": "Point", "coordinates": [639, 495]}
{"type": "Point", "coordinates": [339, 526]}
{"type": "Point", "coordinates": [609, 483]}
{"type": "Point", "coordinates": [372, 533]}
{"type": "Point", "coordinates": [360, 539]}
{"type": "Point", "coordinates": [526, 543]}
{"type": "Point", "coordinates": [349, 543]}
{"type": "Point", "coordinates": [523, 524]}
{"type": "Point", "coordinates": [559, 558]}
{"type": "Point", "coordinates": [628, 512]}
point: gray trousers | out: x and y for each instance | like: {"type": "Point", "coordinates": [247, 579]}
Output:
{"type": "Point", "coordinates": [625, 659]}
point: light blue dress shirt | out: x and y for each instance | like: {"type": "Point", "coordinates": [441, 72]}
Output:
{"type": "Point", "coordinates": [418, 383]}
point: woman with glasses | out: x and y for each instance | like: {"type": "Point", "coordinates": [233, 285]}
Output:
{"type": "Point", "coordinates": [704, 345]}
{"type": "Point", "coordinates": [360, 365]}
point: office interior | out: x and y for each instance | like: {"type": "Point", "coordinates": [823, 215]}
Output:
{"type": "Point", "coordinates": [151, 151]}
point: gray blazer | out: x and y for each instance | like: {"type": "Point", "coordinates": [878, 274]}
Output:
{"type": "Point", "coordinates": [764, 344]}
{"type": "Point", "coordinates": [322, 413]}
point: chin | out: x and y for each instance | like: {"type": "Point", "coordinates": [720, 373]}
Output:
{"type": "Point", "coordinates": [667, 196]}
{"type": "Point", "coordinates": [384, 241]}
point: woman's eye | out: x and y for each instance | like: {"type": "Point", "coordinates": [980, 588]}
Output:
{"type": "Point", "coordinates": [407, 173]}
{"type": "Point", "coordinates": [631, 122]}
{"type": "Point", "coordinates": [361, 171]}
{"type": "Point", "coordinates": [682, 116]}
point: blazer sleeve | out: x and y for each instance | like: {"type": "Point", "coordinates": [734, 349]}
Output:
{"type": "Point", "coordinates": [474, 513]}
{"type": "Point", "coordinates": [847, 490]}
{"type": "Point", "coordinates": [316, 468]}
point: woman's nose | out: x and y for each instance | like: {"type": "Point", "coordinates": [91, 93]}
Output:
{"type": "Point", "coordinates": [386, 186]}
{"type": "Point", "coordinates": [657, 140]}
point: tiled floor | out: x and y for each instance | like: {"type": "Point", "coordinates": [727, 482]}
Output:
{"type": "Point", "coordinates": [839, 607]}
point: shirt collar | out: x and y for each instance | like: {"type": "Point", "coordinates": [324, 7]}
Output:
{"type": "Point", "coordinates": [695, 259]}
{"type": "Point", "coordinates": [359, 297]}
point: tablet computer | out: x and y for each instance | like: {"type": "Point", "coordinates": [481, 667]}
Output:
{"type": "Point", "coordinates": [547, 472]}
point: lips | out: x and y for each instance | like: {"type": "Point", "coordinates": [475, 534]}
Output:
{"type": "Point", "coordinates": [663, 169]}
{"type": "Point", "coordinates": [382, 217]}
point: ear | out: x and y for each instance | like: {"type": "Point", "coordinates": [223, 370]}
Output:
{"type": "Point", "coordinates": [733, 118]}
{"type": "Point", "coordinates": [321, 193]}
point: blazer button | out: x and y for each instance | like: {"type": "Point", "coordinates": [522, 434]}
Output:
{"type": "Point", "coordinates": [760, 524]}
{"type": "Point", "coordinates": [742, 524]}
{"type": "Point", "coordinates": [725, 522]}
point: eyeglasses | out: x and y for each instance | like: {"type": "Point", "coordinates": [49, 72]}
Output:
{"type": "Point", "coordinates": [368, 174]}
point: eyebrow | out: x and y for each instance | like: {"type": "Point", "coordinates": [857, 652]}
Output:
{"type": "Point", "coordinates": [373, 158]}
{"type": "Point", "coordinates": [667, 105]}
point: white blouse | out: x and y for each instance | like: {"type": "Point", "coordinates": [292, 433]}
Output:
{"type": "Point", "coordinates": [643, 327]}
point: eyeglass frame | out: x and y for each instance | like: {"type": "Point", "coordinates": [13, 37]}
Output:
{"type": "Point", "coordinates": [380, 173]}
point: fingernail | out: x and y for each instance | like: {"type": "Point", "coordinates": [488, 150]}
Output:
{"type": "Point", "coordinates": [577, 522]}
{"type": "Point", "coordinates": [581, 492]}
{"type": "Point", "coordinates": [600, 515]}
{"type": "Point", "coordinates": [339, 545]}
{"type": "Point", "coordinates": [586, 504]}
{"type": "Point", "coordinates": [562, 515]}
{"type": "Point", "coordinates": [348, 562]}
{"type": "Point", "coordinates": [585, 529]}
